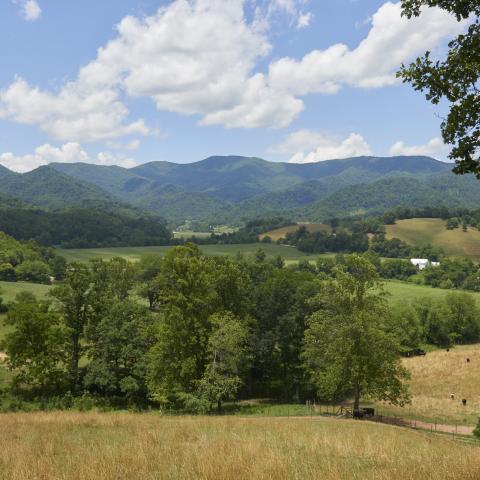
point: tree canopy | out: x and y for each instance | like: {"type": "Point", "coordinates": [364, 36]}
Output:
{"type": "Point", "coordinates": [455, 79]}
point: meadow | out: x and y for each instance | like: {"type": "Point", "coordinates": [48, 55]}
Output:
{"type": "Point", "coordinates": [134, 253]}
{"type": "Point", "coordinates": [421, 231]}
{"type": "Point", "coordinates": [279, 233]}
{"type": "Point", "coordinates": [94, 446]}
{"type": "Point", "coordinates": [434, 378]}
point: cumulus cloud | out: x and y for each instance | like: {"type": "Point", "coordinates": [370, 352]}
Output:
{"type": "Point", "coordinates": [307, 146]}
{"type": "Point", "coordinates": [30, 9]}
{"type": "Point", "coordinates": [392, 39]}
{"type": "Point", "coordinates": [201, 57]}
{"type": "Point", "coordinates": [433, 148]}
{"type": "Point", "coordinates": [68, 153]}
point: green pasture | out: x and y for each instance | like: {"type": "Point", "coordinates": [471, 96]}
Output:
{"type": "Point", "coordinates": [433, 231]}
{"type": "Point", "coordinates": [134, 253]}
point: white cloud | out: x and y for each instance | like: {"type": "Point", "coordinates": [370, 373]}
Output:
{"type": "Point", "coordinates": [68, 153]}
{"type": "Point", "coordinates": [201, 57]}
{"type": "Point", "coordinates": [132, 145]}
{"type": "Point", "coordinates": [393, 39]}
{"type": "Point", "coordinates": [434, 148]}
{"type": "Point", "coordinates": [307, 146]}
{"type": "Point", "coordinates": [30, 9]}
{"type": "Point", "coordinates": [304, 20]}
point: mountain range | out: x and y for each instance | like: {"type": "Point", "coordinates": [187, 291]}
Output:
{"type": "Point", "coordinates": [233, 189]}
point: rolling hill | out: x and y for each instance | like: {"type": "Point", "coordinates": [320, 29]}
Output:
{"type": "Point", "coordinates": [421, 231]}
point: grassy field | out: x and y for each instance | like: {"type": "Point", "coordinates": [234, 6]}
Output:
{"type": "Point", "coordinates": [406, 292]}
{"type": "Point", "coordinates": [435, 377]}
{"type": "Point", "coordinates": [282, 232]}
{"type": "Point", "coordinates": [420, 231]}
{"type": "Point", "coordinates": [89, 446]}
{"type": "Point", "coordinates": [134, 253]}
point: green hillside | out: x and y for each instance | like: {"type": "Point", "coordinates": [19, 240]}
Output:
{"type": "Point", "coordinates": [421, 231]}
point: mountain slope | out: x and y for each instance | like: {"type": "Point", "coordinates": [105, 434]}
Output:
{"type": "Point", "coordinates": [233, 188]}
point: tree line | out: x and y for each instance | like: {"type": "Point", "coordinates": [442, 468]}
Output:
{"type": "Point", "coordinates": [190, 332]}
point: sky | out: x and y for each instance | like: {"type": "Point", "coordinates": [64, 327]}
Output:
{"type": "Point", "coordinates": [126, 82]}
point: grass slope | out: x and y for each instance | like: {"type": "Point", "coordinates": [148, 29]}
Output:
{"type": "Point", "coordinates": [420, 231]}
{"type": "Point", "coordinates": [134, 253]}
{"type": "Point", "coordinates": [435, 377]}
{"type": "Point", "coordinates": [401, 292]}
{"type": "Point", "coordinates": [92, 446]}
{"type": "Point", "coordinates": [282, 232]}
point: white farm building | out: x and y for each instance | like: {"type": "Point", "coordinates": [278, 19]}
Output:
{"type": "Point", "coordinates": [422, 263]}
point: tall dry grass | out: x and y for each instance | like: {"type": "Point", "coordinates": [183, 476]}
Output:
{"type": "Point", "coordinates": [438, 375]}
{"type": "Point", "coordinates": [75, 446]}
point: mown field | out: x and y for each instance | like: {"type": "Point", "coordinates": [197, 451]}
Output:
{"type": "Point", "coordinates": [406, 292]}
{"type": "Point", "coordinates": [282, 232]}
{"type": "Point", "coordinates": [421, 231]}
{"type": "Point", "coordinates": [93, 446]}
{"type": "Point", "coordinates": [435, 377]}
{"type": "Point", "coordinates": [134, 253]}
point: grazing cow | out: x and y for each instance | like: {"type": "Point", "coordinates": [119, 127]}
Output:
{"type": "Point", "coordinates": [452, 396]}
{"type": "Point", "coordinates": [464, 401]}
{"type": "Point", "coordinates": [468, 360]}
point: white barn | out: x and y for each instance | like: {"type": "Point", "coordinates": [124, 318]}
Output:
{"type": "Point", "coordinates": [422, 263]}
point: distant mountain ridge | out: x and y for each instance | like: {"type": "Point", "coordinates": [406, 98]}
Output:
{"type": "Point", "coordinates": [230, 189]}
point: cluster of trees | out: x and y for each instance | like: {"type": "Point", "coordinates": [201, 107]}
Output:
{"type": "Point", "coordinates": [83, 227]}
{"type": "Point", "coordinates": [459, 273]}
{"type": "Point", "coordinates": [213, 329]}
{"type": "Point", "coordinates": [247, 234]}
{"type": "Point", "coordinates": [321, 242]}
{"type": "Point", "coordinates": [396, 248]}
{"type": "Point", "coordinates": [28, 261]}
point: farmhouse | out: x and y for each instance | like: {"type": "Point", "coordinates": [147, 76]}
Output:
{"type": "Point", "coordinates": [422, 263]}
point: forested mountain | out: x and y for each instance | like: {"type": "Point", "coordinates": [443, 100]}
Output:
{"type": "Point", "coordinates": [234, 189]}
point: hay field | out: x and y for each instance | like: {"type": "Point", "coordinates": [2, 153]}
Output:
{"type": "Point", "coordinates": [134, 253]}
{"type": "Point", "coordinates": [435, 377]}
{"type": "Point", "coordinates": [421, 231]}
{"type": "Point", "coordinates": [281, 232]}
{"type": "Point", "coordinates": [91, 446]}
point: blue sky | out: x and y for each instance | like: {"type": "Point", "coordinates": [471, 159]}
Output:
{"type": "Point", "coordinates": [285, 80]}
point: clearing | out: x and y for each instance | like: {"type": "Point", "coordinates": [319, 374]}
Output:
{"type": "Point", "coordinates": [134, 253]}
{"type": "Point", "coordinates": [421, 231]}
{"type": "Point", "coordinates": [279, 233]}
{"type": "Point", "coordinates": [89, 446]}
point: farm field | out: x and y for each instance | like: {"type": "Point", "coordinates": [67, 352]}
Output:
{"type": "Point", "coordinates": [421, 231]}
{"type": "Point", "coordinates": [434, 378]}
{"type": "Point", "coordinates": [281, 232]}
{"type": "Point", "coordinates": [134, 253]}
{"type": "Point", "coordinates": [406, 292]}
{"type": "Point", "coordinates": [90, 446]}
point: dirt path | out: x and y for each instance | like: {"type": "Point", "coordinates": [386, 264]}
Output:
{"type": "Point", "coordinates": [3, 356]}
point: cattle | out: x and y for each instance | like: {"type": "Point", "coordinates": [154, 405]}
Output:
{"type": "Point", "coordinates": [464, 401]}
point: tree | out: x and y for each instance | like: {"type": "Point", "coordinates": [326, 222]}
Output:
{"type": "Point", "coordinates": [455, 79]}
{"type": "Point", "coordinates": [118, 355]}
{"type": "Point", "coordinates": [35, 347]}
{"type": "Point", "coordinates": [227, 360]}
{"type": "Point", "coordinates": [463, 316]}
{"type": "Point", "coordinates": [347, 348]}
{"type": "Point", "coordinates": [73, 301]}
{"type": "Point", "coordinates": [192, 288]}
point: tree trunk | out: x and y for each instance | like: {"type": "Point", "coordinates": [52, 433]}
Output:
{"type": "Point", "coordinates": [219, 406]}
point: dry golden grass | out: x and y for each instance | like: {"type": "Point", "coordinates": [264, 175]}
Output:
{"type": "Point", "coordinates": [281, 232]}
{"type": "Point", "coordinates": [435, 377]}
{"type": "Point", "coordinates": [420, 231]}
{"type": "Point", "coordinates": [89, 446]}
